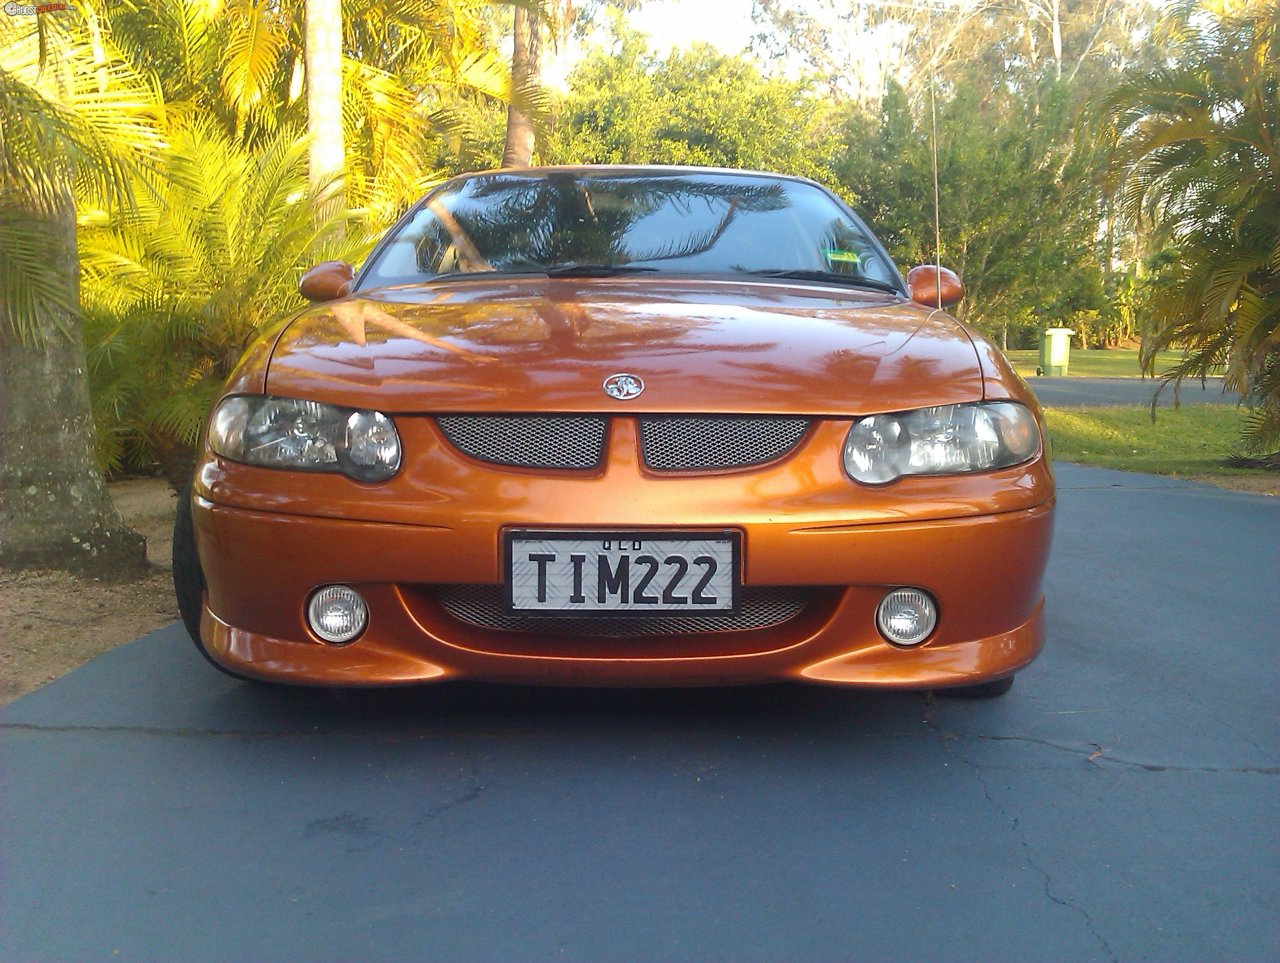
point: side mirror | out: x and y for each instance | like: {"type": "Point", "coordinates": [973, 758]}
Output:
{"type": "Point", "coordinates": [327, 281]}
{"type": "Point", "coordinates": [931, 285]}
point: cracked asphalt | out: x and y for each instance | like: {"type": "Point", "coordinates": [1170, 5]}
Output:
{"type": "Point", "coordinates": [1120, 804]}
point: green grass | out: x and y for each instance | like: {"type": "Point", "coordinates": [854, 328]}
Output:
{"type": "Point", "coordinates": [1192, 440]}
{"type": "Point", "coordinates": [1095, 363]}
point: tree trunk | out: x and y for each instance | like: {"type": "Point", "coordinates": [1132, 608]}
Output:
{"type": "Point", "coordinates": [55, 511]}
{"type": "Point", "coordinates": [1056, 11]}
{"type": "Point", "coordinates": [525, 52]}
{"type": "Point", "coordinates": [324, 95]}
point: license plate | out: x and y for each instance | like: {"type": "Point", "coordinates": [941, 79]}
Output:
{"type": "Point", "coordinates": [612, 573]}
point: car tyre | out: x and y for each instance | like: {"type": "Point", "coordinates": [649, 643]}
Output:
{"type": "Point", "coordinates": [983, 690]}
{"type": "Point", "coordinates": [188, 579]}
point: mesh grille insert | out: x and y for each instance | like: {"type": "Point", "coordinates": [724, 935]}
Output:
{"type": "Point", "coordinates": [528, 441]}
{"type": "Point", "coordinates": [482, 605]}
{"type": "Point", "coordinates": [701, 442]}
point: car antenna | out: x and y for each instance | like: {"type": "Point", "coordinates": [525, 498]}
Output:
{"type": "Point", "coordinates": [933, 152]}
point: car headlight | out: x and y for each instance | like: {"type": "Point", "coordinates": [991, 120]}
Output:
{"type": "Point", "coordinates": [308, 435]}
{"type": "Point", "coordinates": [940, 441]}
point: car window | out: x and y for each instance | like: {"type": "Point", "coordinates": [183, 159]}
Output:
{"type": "Point", "coordinates": [666, 223]}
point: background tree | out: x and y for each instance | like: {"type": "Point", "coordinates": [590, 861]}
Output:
{"type": "Point", "coordinates": [403, 65]}
{"type": "Point", "coordinates": [526, 74]}
{"type": "Point", "coordinates": [173, 133]}
{"type": "Point", "coordinates": [629, 106]}
{"type": "Point", "coordinates": [69, 110]}
{"type": "Point", "coordinates": [1019, 222]}
{"type": "Point", "coordinates": [1198, 163]}
{"type": "Point", "coordinates": [323, 53]}
{"type": "Point", "coordinates": [139, 119]}
{"type": "Point", "coordinates": [1022, 208]}
{"type": "Point", "coordinates": [857, 46]}
{"type": "Point", "coordinates": [209, 257]}
{"type": "Point", "coordinates": [223, 227]}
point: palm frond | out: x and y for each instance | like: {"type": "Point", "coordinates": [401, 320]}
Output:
{"type": "Point", "coordinates": [1195, 159]}
{"type": "Point", "coordinates": [72, 113]}
{"type": "Point", "coordinates": [252, 60]}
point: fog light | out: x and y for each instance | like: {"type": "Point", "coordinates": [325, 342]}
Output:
{"type": "Point", "coordinates": [906, 616]}
{"type": "Point", "coordinates": [337, 613]}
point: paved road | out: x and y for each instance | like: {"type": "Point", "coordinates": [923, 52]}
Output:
{"type": "Point", "coordinates": [1078, 392]}
{"type": "Point", "coordinates": [1120, 803]}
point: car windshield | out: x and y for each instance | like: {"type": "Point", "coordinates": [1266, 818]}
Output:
{"type": "Point", "coordinates": [580, 223]}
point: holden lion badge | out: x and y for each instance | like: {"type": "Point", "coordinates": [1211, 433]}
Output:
{"type": "Point", "coordinates": [623, 386]}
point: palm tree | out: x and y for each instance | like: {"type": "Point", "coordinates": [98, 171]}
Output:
{"type": "Point", "coordinates": [323, 49]}
{"type": "Point", "coordinates": [169, 307]}
{"type": "Point", "coordinates": [174, 291]}
{"type": "Point", "coordinates": [399, 63]}
{"type": "Point", "coordinates": [527, 104]}
{"type": "Point", "coordinates": [526, 51]}
{"type": "Point", "coordinates": [70, 109]}
{"type": "Point", "coordinates": [1197, 161]}
{"type": "Point", "coordinates": [405, 62]}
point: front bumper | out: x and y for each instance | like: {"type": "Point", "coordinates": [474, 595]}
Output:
{"type": "Point", "coordinates": [984, 571]}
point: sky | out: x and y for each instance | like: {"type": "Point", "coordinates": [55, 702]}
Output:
{"type": "Point", "coordinates": [725, 24]}
{"type": "Point", "coordinates": [670, 24]}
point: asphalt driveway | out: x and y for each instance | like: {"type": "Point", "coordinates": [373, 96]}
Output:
{"type": "Point", "coordinates": [1081, 392]}
{"type": "Point", "coordinates": [1120, 803]}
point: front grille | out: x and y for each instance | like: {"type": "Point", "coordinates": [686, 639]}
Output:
{"type": "Point", "coordinates": [528, 441]}
{"type": "Point", "coordinates": [482, 606]}
{"type": "Point", "coordinates": [667, 442]}
{"type": "Point", "coordinates": [708, 442]}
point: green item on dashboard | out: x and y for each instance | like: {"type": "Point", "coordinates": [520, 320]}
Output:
{"type": "Point", "coordinates": [845, 257]}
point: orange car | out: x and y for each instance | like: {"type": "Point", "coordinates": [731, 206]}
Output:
{"type": "Point", "coordinates": [621, 426]}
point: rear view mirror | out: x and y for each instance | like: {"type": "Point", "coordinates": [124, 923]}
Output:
{"type": "Point", "coordinates": [934, 286]}
{"type": "Point", "coordinates": [327, 281]}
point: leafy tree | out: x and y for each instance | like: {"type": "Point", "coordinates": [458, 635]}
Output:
{"type": "Point", "coordinates": [1015, 223]}
{"type": "Point", "coordinates": [1198, 162]}
{"type": "Point", "coordinates": [405, 64]}
{"type": "Point", "coordinates": [857, 45]}
{"type": "Point", "coordinates": [1021, 201]}
{"type": "Point", "coordinates": [692, 107]}
{"type": "Point", "coordinates": [70, 110]}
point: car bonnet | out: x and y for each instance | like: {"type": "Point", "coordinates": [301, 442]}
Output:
{"type": "Point", "coordinates": [522, 344]}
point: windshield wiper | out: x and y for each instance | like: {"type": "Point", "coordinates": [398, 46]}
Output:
{"type": "Point", "coordinates": [831, 277]}
{"type": "Point", "coordinates": [572, 270]}
{"type": "Point", "coordinates": [532, 268]}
